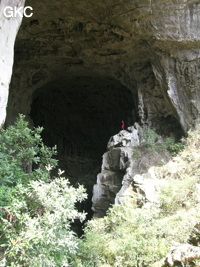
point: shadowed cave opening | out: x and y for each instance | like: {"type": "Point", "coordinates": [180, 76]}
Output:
{"type": "Point", "coordinates": [79, 115]}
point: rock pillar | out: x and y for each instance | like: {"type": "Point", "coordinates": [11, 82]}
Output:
{"type": "Point", "coordinates": [8, 31]}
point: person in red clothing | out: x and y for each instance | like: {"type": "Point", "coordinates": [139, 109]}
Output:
{"type": "Point", "coordinates": [123, 125]}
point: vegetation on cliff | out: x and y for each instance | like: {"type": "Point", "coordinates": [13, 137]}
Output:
{"type": "Point", "coordinates": [36, 210]}
{"type": "Point", "coordinates": [132, 236]}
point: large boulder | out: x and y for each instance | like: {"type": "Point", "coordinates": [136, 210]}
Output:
{"type": "Point", "coordinates": [182, 255]}
{"type": "Point", "coordinates": [126, 172]}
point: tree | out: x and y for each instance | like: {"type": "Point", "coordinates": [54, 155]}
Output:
{"type": "Point", "coordinates": [35, 211]}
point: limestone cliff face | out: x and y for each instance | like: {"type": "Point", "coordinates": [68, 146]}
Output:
{"type": "Point", "coordinates": [8, 31]}
{"type": "Point", "coordinates": [81, 67]}
{"type": "Point", "coordinates": [151, 47]}
{"type": "Point", "coordinates": [127, 171]}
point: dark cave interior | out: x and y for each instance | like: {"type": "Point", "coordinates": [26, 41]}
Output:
{"type": "Point", "coordinates": [79, 115]}
{"type": "Point", "coordinates": [79, 78]}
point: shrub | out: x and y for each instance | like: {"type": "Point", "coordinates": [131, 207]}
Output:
{"type": "Point", "coordinates": [36, 226]}
{"type": "Point", "coordinates": [186, 164]}
{"type": "Point", "coordinates": [178, 194]}
{"type": "Point", "coordinates": [35, 212]}
{"type": "Point", "coordinates": [172, 146]}
{"type": "Point", "coordinates": [153, 141]}
{"type": "Point", "coordinates": [136, 153]}
{"type": "Point", "coordinates": [20, 148]}
{"type": "Point", "coordinates": [150, 137]}
{"type": "Point", "coordinates": [131, 236]}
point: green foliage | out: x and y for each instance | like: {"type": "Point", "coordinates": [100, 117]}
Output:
{"type": "Point", "coordinates": [20, 148]}
{"type": "Point", "coordinates": [177, 194]}
{"type": "Point", "coordinates": [38, 233]}
{"type": "Point", "coordinates": [150, 137]}
{"type": "Point", "coordinates": [35, 212]}
{"type": "Point", "coordinates": [131, 236]}
{"type": "Point", "coordinates": [172, 146]}
{"type": "Point", "coordinates": [186, 164]}
{"type": "Point", "coordinates": [153, 141]}
{"type": "Point", "coordinates": [136, 153]}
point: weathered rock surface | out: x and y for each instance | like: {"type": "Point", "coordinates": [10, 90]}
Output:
{"type": "Point", "coordinates": [124, 174]}
{"type": "Point", "coordinates": [151, 47]}
{"type": "Point", "coordinates": [132, 138]}
{"type": "Point", "coordinates": [182, 254]}
{"type": "Point", "coordinates": [81, 67]}
{"type": "Point", "coordinates": [8, 31]}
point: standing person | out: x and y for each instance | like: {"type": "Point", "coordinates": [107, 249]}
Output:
{"type": "Point", "coordinates": [123, 125]}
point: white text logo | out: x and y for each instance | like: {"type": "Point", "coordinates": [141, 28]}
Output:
{"type": "Point", "coordinates": [13, 12]}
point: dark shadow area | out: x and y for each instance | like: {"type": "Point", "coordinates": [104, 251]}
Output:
{"type": "Point", "coordinates": [79, 115]}
{"type": "Point", "coordinates": [170, 126]}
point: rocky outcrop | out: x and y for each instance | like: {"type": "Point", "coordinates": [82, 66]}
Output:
{"type": "Point", "coordinates": [185, 254]}
{"type": "Point", "coordinates": [126, 172]}
{"type": "Point", "coordinates": [8, 31]}
{"type": "Point", "coordinates": [182, 255]}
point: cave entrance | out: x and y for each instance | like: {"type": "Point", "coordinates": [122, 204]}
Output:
{"type": "Point", "coordinates": [79, 115]}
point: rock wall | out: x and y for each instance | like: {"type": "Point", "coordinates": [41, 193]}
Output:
{"type": "Point", "coordinates": [88, 65]}
{"type": "Point", "coordinates": [126, 171]}
{"type": "Point", "coordinates": [151, 47]}
{"type": "Point", "coordinates": [8, 31]}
